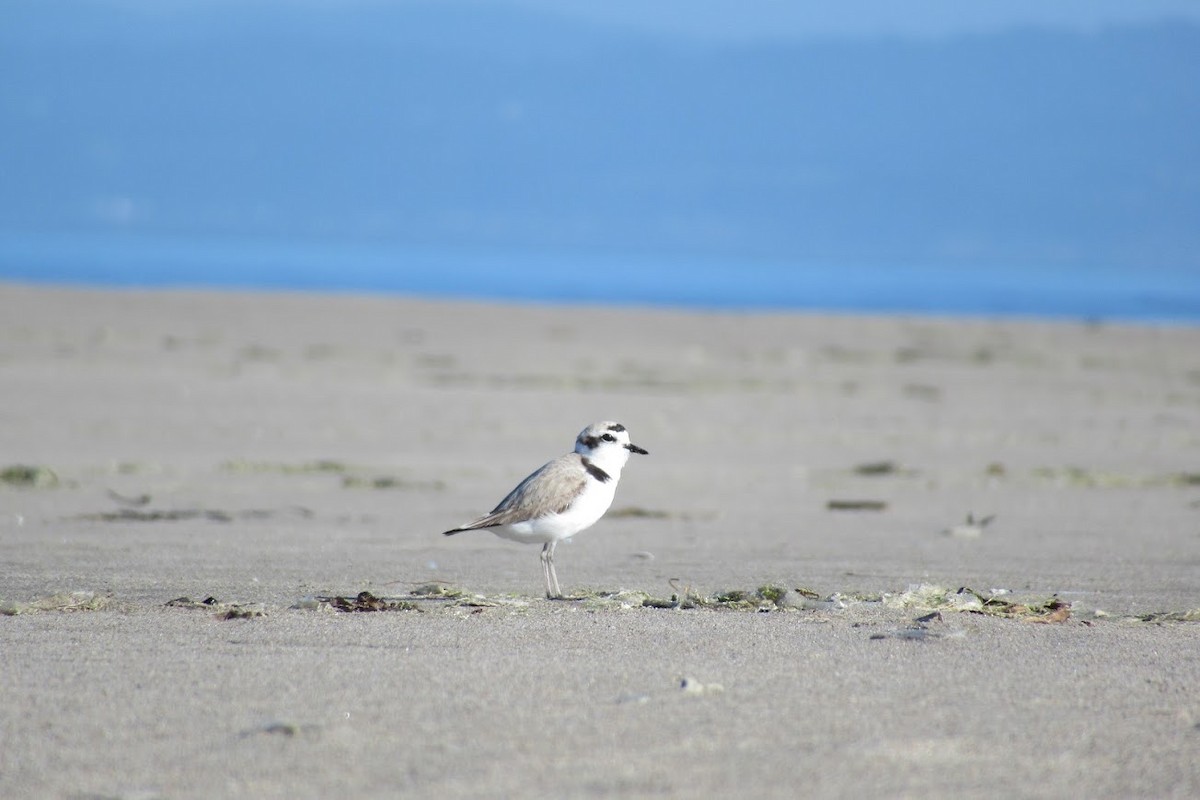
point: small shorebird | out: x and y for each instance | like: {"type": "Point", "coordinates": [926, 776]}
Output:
{"type": "Point", "coordinates": [564, 497]}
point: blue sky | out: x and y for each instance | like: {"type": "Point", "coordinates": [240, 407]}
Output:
{"type": "Point", "coordinates": [743, 20]}
{"type": "Point", "coordinates": [739, 20]}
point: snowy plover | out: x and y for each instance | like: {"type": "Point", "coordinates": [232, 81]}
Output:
{"type": "Point", "coordinates": [564, 497]}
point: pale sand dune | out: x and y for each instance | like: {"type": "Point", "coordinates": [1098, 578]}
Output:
{"type": "Point", "coordinates": [298, 446]}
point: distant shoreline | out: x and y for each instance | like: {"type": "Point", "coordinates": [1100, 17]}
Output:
{"type": "Point", "coordinates": [582, 278]}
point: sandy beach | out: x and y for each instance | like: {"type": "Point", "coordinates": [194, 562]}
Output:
{"type": "Point", "coordinates": [785, 600]}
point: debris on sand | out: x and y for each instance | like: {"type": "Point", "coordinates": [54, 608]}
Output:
{"type": "Point", "coordinates": [636, 512]}
{"type": "Point", "coordinates": [186, 514]}
{"type": "Point", "coordinates": [63, 601]}
{"type": "Point", "coordinates": [28, 476]}
{"type": "Point", "coordinates": [242, 612]}
{"type": "Point", "coordinates": [389, 482]}
{"type": "Point", "coordinates": [1075, 476]}
{"type": "Point", "coordinates": [136, 501]}
{"type": "Point", "coordinates": [930, 596]}
{"type": "Point", "coordinates": [856, 505]}
{"type": "Point", "coordinates": [931, 600]}
{"type": "Point", "coordinates": [767, 597]}
{"type": "Point", "coordinates": [1191, 615]}
{"type": "Point", "coordinates": [223, 610]}
{"type": "Point", "coordinates": [305, 468]}
{"type": "Point", "coordinates": [282, 727]}
{"type": "Point", "coordinates": [877, 468]}
{"type": "Point", "coordinates": [971, 528]}
{"type": "Point", "coordinates": [365, 601]}
{"type": "Point", "coordinates": [353, 477]}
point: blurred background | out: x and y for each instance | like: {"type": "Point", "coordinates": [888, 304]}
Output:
{"type": "Point", "coordinates": [1016, 158]}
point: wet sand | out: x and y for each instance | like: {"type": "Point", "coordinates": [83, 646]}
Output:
{"type": "Point", "coordinates": [271, 452]}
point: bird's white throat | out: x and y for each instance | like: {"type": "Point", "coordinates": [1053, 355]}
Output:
{"type": "Point", "coordinates": [611, 458]}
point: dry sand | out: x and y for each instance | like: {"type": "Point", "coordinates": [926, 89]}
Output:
{"type": "Point", "coordinates": [268, 450]}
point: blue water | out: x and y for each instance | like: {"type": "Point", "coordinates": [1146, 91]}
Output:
{"type": "Point", "coordinates": [1162, 295]}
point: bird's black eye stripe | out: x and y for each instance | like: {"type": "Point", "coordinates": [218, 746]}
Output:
{"type": "Point", "coordinates": [608, 437]}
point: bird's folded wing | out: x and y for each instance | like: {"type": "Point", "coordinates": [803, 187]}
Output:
{"type": "Point", "coordinates": [549, 490]}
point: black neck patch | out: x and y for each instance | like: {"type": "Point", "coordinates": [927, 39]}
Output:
{"type": "Point", "coordinates": [595, 471]}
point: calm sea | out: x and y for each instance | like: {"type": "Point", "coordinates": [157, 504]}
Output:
{"type": "Point", "coordinates": [1161, 295]}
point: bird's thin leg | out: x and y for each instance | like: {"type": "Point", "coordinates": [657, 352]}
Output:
{"type": "Point", "coordinates": [553, 574]}
{"type": "Point", "coordinates": [552, 590]}
{"type": "Point", "coordinates": [548, 570]}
